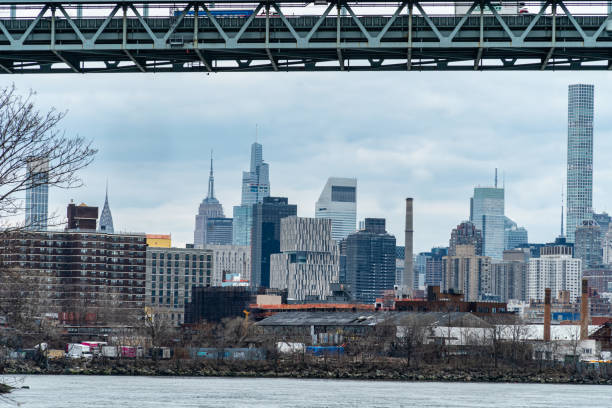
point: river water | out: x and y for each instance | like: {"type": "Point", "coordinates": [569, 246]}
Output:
{"type": "Point", "coordinates": [117, 392]}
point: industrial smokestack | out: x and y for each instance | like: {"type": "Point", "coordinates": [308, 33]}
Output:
{"type": "Point", "coordinates": [584, 310]}
{"type": "Point", "coordinates": [547, 314]}
{"type": "Point", "coordinates": [408, 278]}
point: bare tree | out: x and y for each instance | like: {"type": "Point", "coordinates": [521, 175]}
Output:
{"type": "Point", "coordinates": [33, 140]}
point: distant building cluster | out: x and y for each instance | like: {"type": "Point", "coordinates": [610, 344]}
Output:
{"type": "Point", "coordinates": [266, 248]}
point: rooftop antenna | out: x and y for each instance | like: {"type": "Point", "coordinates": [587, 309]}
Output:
{"type": "Point", "coordinates": [256, 133]}
{"type": "Point", "coordinates": [504, 179]}
{"type": "Point", "coordinates": [496, 177]}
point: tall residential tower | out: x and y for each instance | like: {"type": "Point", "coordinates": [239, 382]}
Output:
{"type": "Point", "coordinates": [579, 157]}
{"type": "Point", "coordinates": [37, 195]}
{"type": "Point", "coordinates": [338, 202]}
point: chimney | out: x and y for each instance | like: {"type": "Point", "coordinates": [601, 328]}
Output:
{"type": "Point", "coordinates": [547, 314]}
{"type": "Point", "coordinates": [408, 278]}
{"type": "Point", "coordinates": [584, 310]}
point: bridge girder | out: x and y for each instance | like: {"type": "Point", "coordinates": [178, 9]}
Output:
{"type": "Point", "coordinates": [267, 40]}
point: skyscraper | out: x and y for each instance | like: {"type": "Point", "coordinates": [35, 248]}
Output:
{"type": "Point", "coordinates": [255, 186]}
{"type": "Point", "coordinates": [209, 208]}
{"type": "Point", "coordinates": [37, 195]}
{"type": "Point", "coordinates": [338, 202]}
{"type": "Point", "coordinates": [514, 236]}
{"type": "Point", "coordinates": [310, 259]}
{"type": "Point", "coordinates": [370, 261]}
{"type": "Point", "coordinates": [579, 157]}
{"type": "Point", "coordinates": [587, 245]}
{"type": "Point", "coordinates": [487, 214]}
{"type": "Point", "coordinates": [265, 236]}
{"type": "Point", "coordinates": [106, 218]}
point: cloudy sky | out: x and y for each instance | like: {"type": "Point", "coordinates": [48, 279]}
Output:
{"type": "Point", "coordinates": [431, 136]}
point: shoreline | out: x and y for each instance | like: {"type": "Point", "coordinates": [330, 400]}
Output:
{"type": "Point", "coordinates": [316, 370]}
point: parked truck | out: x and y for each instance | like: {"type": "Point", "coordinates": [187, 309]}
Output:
{"type": "Point", "coordinates": [109, 352]}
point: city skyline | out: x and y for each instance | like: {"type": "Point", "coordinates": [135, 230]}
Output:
{"type": "Point", "coordinates": [439, 171]}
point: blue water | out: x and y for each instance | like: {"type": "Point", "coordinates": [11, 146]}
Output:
{"type": "Point", "coordinates": [117, 392]}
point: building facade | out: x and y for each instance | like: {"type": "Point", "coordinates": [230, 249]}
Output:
{"type": "Point", "coordinates": [509, 277]}
{"type": "Point", "coordinates": [86, 275]}
{"type": "Point", "coordinates": [338, 202]}
{"type": "Point", "coordinates": [370, 261]}
{"type": "Point", "coordinates": [255, 187]}
{"type": "Point", "coordinates": [171, 273]}
{"type": "Point", "coordinates": [555, 269]}
{"type": "Point", "coordinates": [466, 233]}
{"type": "Point", "coordinates": [579, 156]}
{"type": "Point", "coordinates": [209, 208]}
{"type": "Point", "coordinates": [467, 272]}
{"type": "Point", "coordinates": [230, 259]}
{"type": "Point", "coordinates": [514, 236]}
{"type": "Point", "coordinates": [434, 267]}
{"type": "Point", "coordinates": [587, 244]}
{"type": "Point", "coordinates": [219, 231]}
{"type": "Point", "coordinates": [309, 260]}
{"type": "Point", "coordinates": [265, 236]}
{"type": "Point", "coordinates": [487, 214]}
{"type": "Point", "coordinates": [603, 220]}
{"type": "Point", "coordinates": [607, 247]}
{"type": "Point", "coordinates": [37, 195]}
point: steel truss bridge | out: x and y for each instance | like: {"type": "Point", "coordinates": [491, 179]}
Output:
{"type": "Point", "coordinates": [84, 36]}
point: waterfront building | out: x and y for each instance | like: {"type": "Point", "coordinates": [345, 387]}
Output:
{"type": "Point", "coordinates": [466, 233]}
{"type": "Point", "coordinates": [209, 208]}
{"type": "Point", "coordinates": [370, 261]}
{"type": "Point", "coordinates": [255, 187]}
{"type": "Point", "coordinates": [467, 273]}
{"type": "Point", "coordinates": [587, 245]}
{"type": "Point", "coordinates": [37, 195]}
{"type": "Point", "coordinates": [514, 236]}
{"type": "Point", "coordinates": [106, 218]}
{"type": "Point", "coordinates": [213, 304]}
{"type": "Point", "coordinates": [230, 259]}
{"type": "Point", "coordinates": [487, 214]}
{"type": "Point", "coordinates": [265, 236]}
{"type": "Point", "coordinates": [171, 273]}
{"type": "Point", "coordinates": [555, 269]}
{"type": "Point", "coordinates": [83, 275]}
{"type": "Point", "coordinates": [338, 202]}
{"type": "Point", "coordinates": [309, 261]}
{"type": "Point", "coordinates": [579, 156]}
{"type": "Point", "coordinates": [82, 217]}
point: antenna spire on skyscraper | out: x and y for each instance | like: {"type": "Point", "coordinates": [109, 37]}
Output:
{"type": "Point", "coordinates": [211, 178]}
{"type": "Point", "coordinates": [496, 177]}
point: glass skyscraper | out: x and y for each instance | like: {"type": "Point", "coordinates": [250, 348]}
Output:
{"type": "Point", "coordinates": [37, 195]}
{"type": "Point", "coordinates": [487, 214]}
{"type": "Point", "coordinates": [579, 157]}
{"type": "Point", "coordinates": [338, 202]}
{"type": "Point", "coordinates": [255, 186]}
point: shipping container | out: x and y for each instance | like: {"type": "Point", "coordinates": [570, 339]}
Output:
{"type": "Point", "coordinates": [54, 354]}
{"type": "Point", "coordinates": [325, 350]}
{"type": "Point", "coordinates": [229, 353]}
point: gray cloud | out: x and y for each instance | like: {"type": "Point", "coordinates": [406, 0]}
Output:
{"type": "Point", "coordinates": [433, 136]}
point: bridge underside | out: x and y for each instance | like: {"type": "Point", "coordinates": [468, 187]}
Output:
{"type": "Point", "coordinates": [124, 40]}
